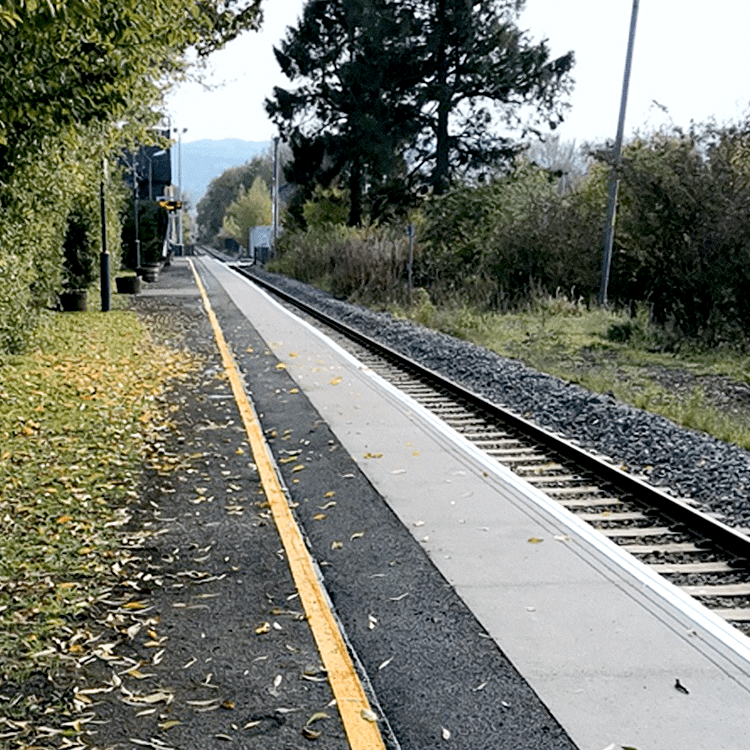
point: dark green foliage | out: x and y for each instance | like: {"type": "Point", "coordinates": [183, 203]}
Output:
{"type": "Point", "coordinates": [380, 84]}
{"type": "Point", "coordinates": [498, 244]}
{"type": "Point", "coordinates": [683, 232]}
{"type": "Point", "coordinates": [682, 241]}
{"type": "Point", "coordinates": [80, 250]}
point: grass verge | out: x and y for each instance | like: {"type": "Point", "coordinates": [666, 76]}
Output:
{"type": "Point", "coordinates": [76, 414]}
{"type": "Point", "coordinates": [561, 337]}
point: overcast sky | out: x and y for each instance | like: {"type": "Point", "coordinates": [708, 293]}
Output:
{"type": "Point", "coordinates": [690, 58]}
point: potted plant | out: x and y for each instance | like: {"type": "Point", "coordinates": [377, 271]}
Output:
{"type": "Point", "coordinates": [79, 262]}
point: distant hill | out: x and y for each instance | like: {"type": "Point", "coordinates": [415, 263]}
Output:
{"type": "Point", "coordinates": [204, 160]}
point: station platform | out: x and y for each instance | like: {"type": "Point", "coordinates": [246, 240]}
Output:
{"type": "Point", "coordinates": [452, 581]}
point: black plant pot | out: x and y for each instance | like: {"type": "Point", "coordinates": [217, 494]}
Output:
{"type": "Point", "coordinates": [128, 284]}
{"type": "Point", "coordinates": [73, 300]}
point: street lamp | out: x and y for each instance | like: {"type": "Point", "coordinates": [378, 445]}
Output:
{"type": "Point", "coordinates": [614, 180]}
{"type": "Point", "coordinates": [136, 196]}
{"type": "Point", "coordinates": [179, 186]}
{"type": "Point", "coordinates": [104, 264]}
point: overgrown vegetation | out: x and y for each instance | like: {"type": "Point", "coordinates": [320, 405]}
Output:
{"type": "Point", "coordinates": [79, 82]}
{"type": "Point", "coordinates": [76, 413]}
{"type": "Point", "coordinates": [682, 245]}
{"type": "Point", "coordinates": [561, 336]}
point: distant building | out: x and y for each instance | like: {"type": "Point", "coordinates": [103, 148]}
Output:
{"type": "Point", "coordinates": [150, 169]}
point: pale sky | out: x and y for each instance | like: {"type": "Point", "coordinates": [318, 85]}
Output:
{"type": "Point", "coordinates": [691, 57]}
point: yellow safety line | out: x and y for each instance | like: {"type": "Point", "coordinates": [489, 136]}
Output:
{"type": "Point", "coordinates": [356, 715]}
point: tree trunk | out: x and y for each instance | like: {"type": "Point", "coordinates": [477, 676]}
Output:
{"type": "Point", "coordinates": [442, 162]}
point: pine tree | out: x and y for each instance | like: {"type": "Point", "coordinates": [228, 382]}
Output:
{"type": "Point", "coordinates": [410, 90]}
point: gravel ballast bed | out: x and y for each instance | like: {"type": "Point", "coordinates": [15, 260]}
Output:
{"type": "Point", "coordinates": [686, 462]}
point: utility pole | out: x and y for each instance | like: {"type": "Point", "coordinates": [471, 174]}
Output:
{"type": "Point", "coordinates": [614, 180]}
{"type": "Point", "coordinates": [179, 187]}
{"type": "Point", "coordinates": [275, 204]}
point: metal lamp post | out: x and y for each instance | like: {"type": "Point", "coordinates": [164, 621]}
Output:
{"type": "Point", "coordinates": [104, 254]}
{"type": "Point", "coordinates": [179, 186]}
{"type": "Point", "coordinates": [614, 180]}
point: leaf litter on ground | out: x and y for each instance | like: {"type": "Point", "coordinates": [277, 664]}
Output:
{"type": "Point", "coordinates": [77, 416]}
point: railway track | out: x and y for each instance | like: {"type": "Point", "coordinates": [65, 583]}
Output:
{"type": "Point", "coordinates": [698, 553]}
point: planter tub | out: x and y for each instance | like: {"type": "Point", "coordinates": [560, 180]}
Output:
{"type": "Point", "coordinates": [128, 284]}
{"type": "Point", "coordinates": [73, 300]}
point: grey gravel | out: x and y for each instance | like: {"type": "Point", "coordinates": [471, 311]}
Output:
{"type": "Point", "coordinates": [684, 462]}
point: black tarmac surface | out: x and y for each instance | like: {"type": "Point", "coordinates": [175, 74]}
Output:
{"type": "Point", "coordinates": [220, 632]}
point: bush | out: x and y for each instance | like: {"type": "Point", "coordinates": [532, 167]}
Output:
{"type": "Point", "coordinates": [498, 245]}
{"type": "Point", "coordinates": [41, 199]}
{"type": "Point", "coordinates": [683, 232]}
{"type": "Point", "coordinates": [352, 262]}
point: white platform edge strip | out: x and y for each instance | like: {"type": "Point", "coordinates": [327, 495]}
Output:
{"type": "Point", "coordinates": [723, 641]}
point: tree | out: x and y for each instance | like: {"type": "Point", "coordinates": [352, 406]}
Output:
{"type": "Point", "coordinates": [480, 73]}
{"type": "Point", "coordinates": [410, 91]}
{"type": "Point", "coordinates": [351, 117]}
{"type": "Point", "coordinates": [225, 189]}
{"type": "Point", "coordinates": [71, 73]}
{"type": "Point", "coordinates": [252, 208]}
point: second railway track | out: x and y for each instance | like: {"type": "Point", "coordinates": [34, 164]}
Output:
{"type": "Point", "coordinates": [701, 555]}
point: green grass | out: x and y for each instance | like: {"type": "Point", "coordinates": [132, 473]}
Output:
{"type": "Point", "coordinates": [75, 416]}
{"type": "Point", "coordinates": [561, 337]}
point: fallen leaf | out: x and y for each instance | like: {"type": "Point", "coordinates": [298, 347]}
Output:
{"type": "Point", "coordinates": [445, 734]}
{"type": "Point", "coordinates": [373, 455]}
{"type": "Point", "coordinates": [357, 535]}
{"type": "Point", "coordinates": [368, 715]}
{"type": "Point", "coordinates": [534, 540]}
{"type": "Point", "coordinates": [170, 724]}
{"type": "Point", "coordinates": [281, 366]}
{"type": "Point", "coordinates": [319, 516]}
{"type": "Point", "coordinates": [384, 664]}
{"type": "Point", "coordinates": [317, 716]}
{"type": "Point", "coordinates": [335, 381]}
{"type": "Point", "coordinates": [262, 629]}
